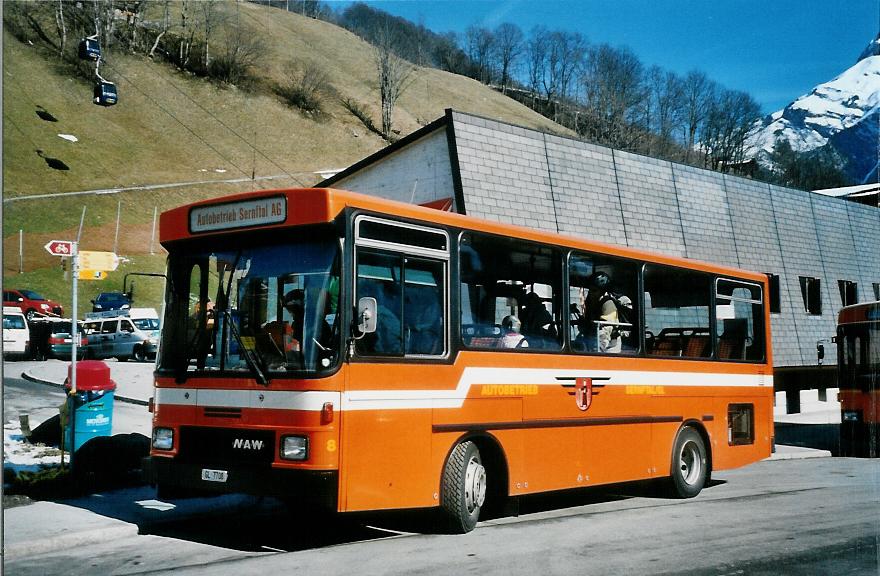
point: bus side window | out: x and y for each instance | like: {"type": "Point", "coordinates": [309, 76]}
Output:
{"type": "Point", "coordinates": [603, 304]}
{"type": "Point", "coordinates": [379, 277]}
{"type": "Point", "coordinates": [739, 324]}
{"type": "Point", "coordinates": [507, 279]}
{"type": "Point", "coordinates": [424, 316]}
{"type": "Point", "coordinates": [677, 312]}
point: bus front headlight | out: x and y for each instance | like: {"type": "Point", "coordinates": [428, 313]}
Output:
{"type": "Point", "coordinates": [294, 448]}
{"type": "Point", "coordinates": [163, 438]}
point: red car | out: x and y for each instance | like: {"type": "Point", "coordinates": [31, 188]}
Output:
{"type": "Point", "coordinates": [32, 303]}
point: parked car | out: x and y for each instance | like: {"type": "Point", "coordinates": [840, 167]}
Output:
{"type": "Point", "coordinates": [128, 334]}
{"type": "Point", "coordinates": [16, 336]}
{"type": "Point", "coordinates": [110, 301]}
{"type": "Point", "coordinates": [31, 303]}
{"type": "Point", "coordinates": [51, 338]}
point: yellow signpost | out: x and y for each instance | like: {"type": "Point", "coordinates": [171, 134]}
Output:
{"type": "Point", "coordinates": [90, 260]}
{"type": "Point", "coordinates": [92, 275]}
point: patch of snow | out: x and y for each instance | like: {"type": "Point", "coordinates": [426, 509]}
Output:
{"type": "Point", "coordinates": [69, 137]}
{"type": "Point", "coordinates": [20, 455]}
{"type": "Point", "coordinates": [220, 170]}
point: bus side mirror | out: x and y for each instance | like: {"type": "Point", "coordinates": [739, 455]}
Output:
{"type": "Point", "coordinates": [366, 314]}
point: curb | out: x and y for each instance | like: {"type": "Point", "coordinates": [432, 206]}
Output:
{"type": "Point", "coordinates": [37, 546]}
{"type": "Point", "coordinates": [801, 454]}
{"type": "Point", "coordinates": [116, 397]}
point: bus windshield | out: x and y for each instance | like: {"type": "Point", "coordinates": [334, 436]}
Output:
{"type": "Point", "coordinates": [859, 355]}
{"type": "Point", "coordinates": [265, 309]}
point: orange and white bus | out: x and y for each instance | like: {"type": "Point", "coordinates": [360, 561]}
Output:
{"type": "Point", "coordinates": [858, 358]}
{"type": "Point", "coordinates": [337, 349]}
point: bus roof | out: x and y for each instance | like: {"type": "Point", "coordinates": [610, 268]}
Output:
{"type": "Point", "coordinates": [863, 312]}
{"type": "Point", "coordinates": [299, 206]}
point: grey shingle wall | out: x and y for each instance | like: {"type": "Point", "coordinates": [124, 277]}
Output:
{"type": "Point", "coordinates": [504, 173]}
{"type": "Point", "coordinates": [865, 230]}
{"type": "Point", "coordinates": [585, 189]}
{"type": "Point", "coordinates": [705, 215]}
{"type": "Point", "coordinates": [650, 203]}
{"type": "Point", "coordinates": [753, 221]}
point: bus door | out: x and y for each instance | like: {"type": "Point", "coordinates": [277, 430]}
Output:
{"type": "Point", "coordinates": [400, 370]}
{"type": "Point", "coordinates": [609, 387]}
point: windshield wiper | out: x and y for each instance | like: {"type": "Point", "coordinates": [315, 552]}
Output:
{"type": "Point", "coordinates": [253, 360]}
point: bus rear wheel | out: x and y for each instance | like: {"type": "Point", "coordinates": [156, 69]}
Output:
{"type": "Point", "coordinates": [690, 466]}
{"type": "Point", "coordinates": [463, 489]}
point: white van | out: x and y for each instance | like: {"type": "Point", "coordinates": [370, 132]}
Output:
{"type": "Point", "coordinates": [123, 334]}
{"type": "Point", "coordinates": [16, 336]}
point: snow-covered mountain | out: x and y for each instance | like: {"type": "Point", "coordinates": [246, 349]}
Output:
{"type": "Point", "coordinates": [843, 114]}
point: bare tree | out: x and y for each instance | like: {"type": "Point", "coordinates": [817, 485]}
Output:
{"type": "Point", "coordinates": [613, 82]}
{"type": "Point", "coordinates": [730, 115]}
{"type": "Point", "coordinates": [187, 34]}
{"type": "Point", "coordinates": [394, 74]}
{"type": "Point", "coordinates": [166, 22]}
{"type": "Point", "coordinates": [509, 42]}
{"type": "Point", "coordinates": [210, 17]}
{"type": "Point", "coordinates": [536, 56]}
{"type": "Point", "coordinates": [665, 103]}
{"type": "Point", "coordinates": [62, 27]}
{"type": "Point", "coordinates": [698, 96]}
{"type": "Point", "coordinates": [565, 53]}
{"type": "Point", "coordinates": [480, 48]}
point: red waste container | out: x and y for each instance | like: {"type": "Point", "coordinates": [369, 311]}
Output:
{"type": "Point", "coordinates": [92, 404]}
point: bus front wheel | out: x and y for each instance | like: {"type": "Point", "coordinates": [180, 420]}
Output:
{"type": "Point", "coordinates": [463, 490]}
{"type": "Point", "coordinates": [690, 467]}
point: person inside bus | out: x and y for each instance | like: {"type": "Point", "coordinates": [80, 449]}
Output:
{"type": "Point", "coordinates": [423, 319]}
{"type": "Point", "coordinates": [287, 334]}
{"type": "Point", "coordinates": [512, 338]}
{"type": "Point", "coordinates": [387, 339]}
{"type": "Point", "coordinates": [598, 327]}
{"type": "Point", "coordinates": [537, 322]}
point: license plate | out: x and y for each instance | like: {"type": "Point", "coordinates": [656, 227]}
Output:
{"type": "Point", "coordinates": [214, 475]}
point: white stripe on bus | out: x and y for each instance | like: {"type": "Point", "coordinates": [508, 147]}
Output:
{"type": "Point", "coordinates": [423, 399]}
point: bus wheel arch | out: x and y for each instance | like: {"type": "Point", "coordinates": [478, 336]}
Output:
{"type": "Point", "coordinates": [474, 481]}
{"type": "Point", "coordinates": [690, 461]}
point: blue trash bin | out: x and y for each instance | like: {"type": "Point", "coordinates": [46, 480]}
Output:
{"type": "Point", "coordinates": [92, 405]}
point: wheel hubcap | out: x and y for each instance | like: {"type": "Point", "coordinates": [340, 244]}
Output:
{"type": "Point", "coordinates": [690, 463]}
{"type": "Point", "coordinates": [474, 485]}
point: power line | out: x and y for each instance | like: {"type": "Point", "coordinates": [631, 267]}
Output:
{"type": "Point", "coordinates": [222, 123]}
{"type": "Point", "coordinates": [178, 120]}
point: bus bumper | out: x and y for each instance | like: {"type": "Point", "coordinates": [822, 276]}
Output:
{"type": "Point", "coordinates": [309, 488]}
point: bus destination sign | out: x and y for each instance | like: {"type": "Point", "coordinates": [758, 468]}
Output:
{"type": "Point", "coordinates": [243, 214]}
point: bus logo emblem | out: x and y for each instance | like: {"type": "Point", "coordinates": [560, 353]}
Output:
{"type": "Point", "coordinates": [583, 393]}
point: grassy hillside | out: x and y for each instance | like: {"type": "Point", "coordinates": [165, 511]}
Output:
{"type": "Point", "coordinates": [172, 127]}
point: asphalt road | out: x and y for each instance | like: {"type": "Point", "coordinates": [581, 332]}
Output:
{"type": "Point", "coordinates": [814, 516]}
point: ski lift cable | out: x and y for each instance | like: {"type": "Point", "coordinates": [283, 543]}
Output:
{"type": "Point", "coordinates": [23, 89]}
{"type": "Point", "coordinates": [178, 120]}
{"type": "Point", "coordinates": [233, 131]}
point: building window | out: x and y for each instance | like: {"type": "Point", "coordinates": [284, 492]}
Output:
{"type": "Point", "coordinates": [811, 292]}
{"type": "Point", "coordinates": [876, 290]}
{"type": "Point", "coordinates": [775, 300]}
{"type": "Point", "coordinates": [849, 292]}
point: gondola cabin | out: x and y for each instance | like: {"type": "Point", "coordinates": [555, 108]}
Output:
{"type": "Point", "coordinates": [89, 49]}
{"type": "Point", "coordinates": [105, 94]}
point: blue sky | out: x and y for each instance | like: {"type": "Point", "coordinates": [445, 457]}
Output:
{"type": "Point", "coordinates": [775, 50]}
